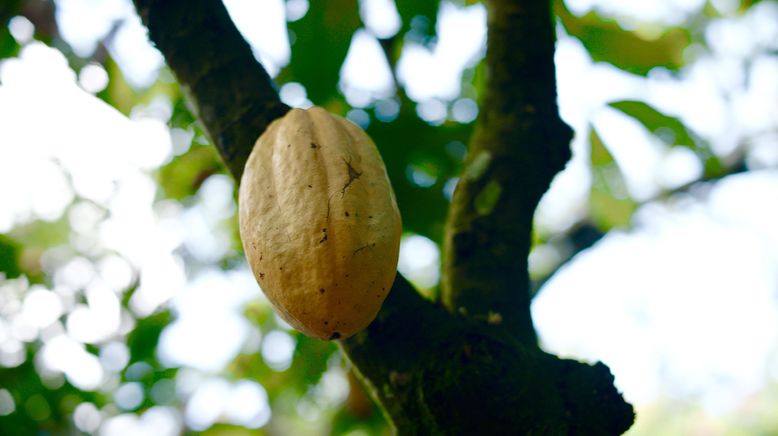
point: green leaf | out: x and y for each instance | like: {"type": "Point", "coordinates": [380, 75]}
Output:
{"type": "Point", "coordinates": [419, 16]}
{"type": "Point", "coordinates": [666, 127]}
{"type": "Point", "coordinates": [310, 360]}
{"type": "Point", "coordinates": [8, 45]}
{"type": "Point", "coordinates": [407, 143]}
{"type": "Point", "coordinates": [672, 131]}
{"type": "Point", "coordinates": [9, 257]}
{"type": "Point", "coordinates": [607, 42]}
{"type": "Point", "coordinates": [609, 203]}
{"type": "Point", "coordinates": [320, 42]}
{"type": "Point", "coordinates": [183, 176]}
{"type": "Point", "coordinates": [143, 340]}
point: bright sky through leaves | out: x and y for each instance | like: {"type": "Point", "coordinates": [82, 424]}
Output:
{"type": "Point", "coordinates": [677, 306]}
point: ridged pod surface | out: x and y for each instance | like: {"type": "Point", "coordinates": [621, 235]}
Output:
{"type": "Point", "coordinates": [319, 223]}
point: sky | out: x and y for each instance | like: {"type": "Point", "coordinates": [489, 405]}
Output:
{"type": "Point", "coordinates": [681, 305]}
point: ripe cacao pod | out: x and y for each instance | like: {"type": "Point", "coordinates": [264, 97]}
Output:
{"type": "Point", "coordinates": [319, 223]}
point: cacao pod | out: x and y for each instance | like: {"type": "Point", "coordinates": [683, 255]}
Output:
{"type": "Point", "coordinates": [319, 223]}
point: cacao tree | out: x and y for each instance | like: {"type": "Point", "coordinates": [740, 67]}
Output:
{"type": "Point", "coordinates": [126, 302]}
{"type": "Point", "coordinates": [467, 361]}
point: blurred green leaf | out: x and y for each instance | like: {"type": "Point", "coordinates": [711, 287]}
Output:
{"type": "Point", "coordinates": [656, 122]}
{"type": "Point", "coordinates": [310, 360]}
{"type": "Point", "coordinates": [143, 340]}
{"type": "Point", "coordinates": [222, 429]}
{"type": "Point", "coordinates": [408, 144]}
{"type": "Point", "coordinates": [609, 203]}
{"type": "Point", "coordinates": [118, 93]}
{"type": "Point", "coordinates": [183, 176]}
{"type": "Point", "coordinates": [672, 131]}
{"type": "Point", "coordinates": [8, 45]}
{"type": "Point", "coordinates": [321, 40]}
{"type": "Point", "coordinates": [9, 257]}
{"type": "Point", "coordinates": [419, 17]}
{"type": "Point", "coordinates": [43, 233]}
{"type": "Point", "coordinates": [607, 42]}
{"type": "Point", "coordinates": [40, 409]}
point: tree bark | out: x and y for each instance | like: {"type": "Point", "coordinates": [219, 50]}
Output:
{"type": "Point", "coordinates": [518, 146]}
{"type": "Point", "coordinates": [433, 370]}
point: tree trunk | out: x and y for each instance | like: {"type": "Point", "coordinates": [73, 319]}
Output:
{"type": "Point", "coordinates": [469, 364]}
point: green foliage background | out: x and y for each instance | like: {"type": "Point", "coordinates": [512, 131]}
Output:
{"type": "Point", "coordinates": [320, 42]}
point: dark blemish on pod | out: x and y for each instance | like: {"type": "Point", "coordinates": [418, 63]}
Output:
{"type": "Point", "coordinates": [326, 322]}
{"type": "Point", "coordinates": [261, 275]}
{"type": "Point", "coordinates": [353, 174]}
{"type": "Point", "coordinates": [324, 238]}
{"type": "Point", "coordinates": [288, 145]}
{"type": "Point", "coordinates": [310, 186]}
{"type": "Point", "coordinates": [321, 290]}
{"type": "Point", "coordinates": [370, 216]}
{"type": "Point", "coordinates": [314, 145]}
{"type": "Point", "coordinates": [347, 214]}
{"type": "Point", "coordinates": [335, 335]}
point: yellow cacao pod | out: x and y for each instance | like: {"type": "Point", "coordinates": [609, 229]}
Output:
{"type": "Point", "coordinates": [319, 223]}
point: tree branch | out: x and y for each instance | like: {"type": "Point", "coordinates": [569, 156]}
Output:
{"type": "Point", "coordinates": [519, 144]}
{"type": "Point", "coordinates": [437, 373]}
{"type": "Point", "coordinates": [229, 91]}
{"type": "Point", "coordinates": [434, 372]}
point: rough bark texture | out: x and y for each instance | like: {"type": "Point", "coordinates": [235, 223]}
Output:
{"type": "Point", "coordinates": [437, 371]}
{"type": "Point", "coordinates": [518, 146]}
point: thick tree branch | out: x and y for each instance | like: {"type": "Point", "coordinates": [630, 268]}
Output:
{"type": "Point", "coordinates": [434, 372]}
{"type": "Point", "coordinates": [229, 91]}
{"type": "Point", "coordinates": [437, 373]}
{"type": "Point", "coordinates": [519, 144]}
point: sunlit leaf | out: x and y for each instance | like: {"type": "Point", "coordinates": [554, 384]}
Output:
{"type": "Point", "coordinates": [657, 122]}
{"type": "Point", "coordinates": [118, 93]}
{"type": "Point", "coordinates": [672, 131]}
{"type": "Point", "coordinates": [607, 42]}
{"type": "Point", "coordinates": [42, 233]}
{"type": "Point", "coordinates": [183, 176]}
{"type": "Point", "coordinates": [310, 360]}
{"type": "Point", "coordinates": [609, 203]}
